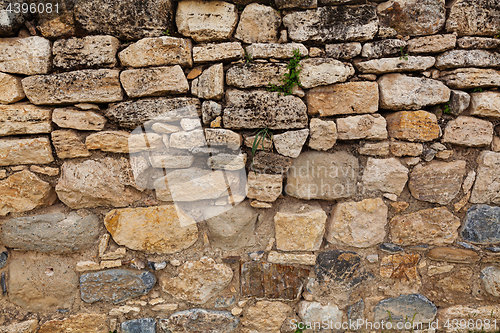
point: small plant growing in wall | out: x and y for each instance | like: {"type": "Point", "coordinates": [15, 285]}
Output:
{"type": "Point", "coordinates": [291, 79]}
{"type": "Point", "coordinates": [404, 55]}
{"type": "Point", "coordinates": [446, 108]}
{"type": "Point", "coordinates": [248, 57]}
{"type": "Point", "coordinates": [259, 140]}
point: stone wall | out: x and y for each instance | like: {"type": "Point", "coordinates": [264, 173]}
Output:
{"type": "Point", "coordinates": [152, 181]}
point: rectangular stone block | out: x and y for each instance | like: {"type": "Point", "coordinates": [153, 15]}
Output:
{"type": "Point", "coordinates": [157, 81]}
{"type": "Point", "coordinates": [159, 51]}
{"type": "Point", "coordinates": [28, 56]}
{"type": "Point", "coordinates": [218, 52]}
{"type": "Point", "coordinates": [24, 118]}
{"type": "Point", "coordinates": [25, 151]}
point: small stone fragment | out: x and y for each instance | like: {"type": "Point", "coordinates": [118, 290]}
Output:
{"type": "Point", "coordinates": [143, 325]}
{"type": "Point", "coordinates": [69, 144]}
{"type": "Point", "coordinates": [323, 134]}
{"type": "Point", "coordinates": [375, 149]}
{"type": "Point", "coordinates": [210, 84]}
{"type": "Point", "coordinates": [11, 89]}
{"type": "Point", "coordinates": [265, 316]}
{"type": "Point", "coordinates": [290, 143]}
{"type": "Point", "coordinates": [80, 120]}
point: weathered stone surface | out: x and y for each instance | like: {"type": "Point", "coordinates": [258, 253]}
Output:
{"type": "Point", "coordinates": [322, 134]}
{"type": "Point", "coordinates": [459, 102]}
{"type": "Point", "coordinates": [399, 148]}
{"type": "Point", "coordinates": [388, 65]}
{"type": "Point", "coordinates": [468, 131]}
{"type": "Point", "coordinates": [343, 51]}
{"type": "Point", "coordinates": [157, 81]}
{"type": "Point", "coordinates": [323, 176]}
{"type": "Point", "coordinates": [270, 163]}
{"type": "Point", "coordinates": [115, 285]}
{"type": "Point", "coordinates": [130, 19]}
{"type": "Point", "coordinates": [265, 316]}
{"type": "Point", "coordinates": [253, 74]}
{"type": "Point", "coordinates": [200, 320]}
{"type": "Point", "coordinates": [485, 104]}
{"type": "Point", "coordinates": [218, 52]}
{"type": "Point", "coordinates": [490, 277]}
{"type": "Point", "coordinates": [362, 127]}
{"type": "Point", "coordinates": [28, 56]}
{"type": "Point", "coordinates": [25, 151]}
{"type": "Point", "coordinates": [453, 255]}
{"type": "Point", "coordinates": [437, 182]}
{"type": "Point", "coordinates": [92, 86]}
{"type": "Point", "coordinates": [290, 143]}
{"type": "Point", "coordinates": [304, 4]}
{"type": "Point", "coordinates": [10, 24]}
{"type": "Point", "coordinates": [223, 138]}
{"type": "Point", "coordinates": [206, 21]}
{"type": "Point", "coordinates": [401, 92]}
{"type": "Point", "coordinates": [291, 259]}
{"type": "Point", "coordinates": [323, 71]}
{"type": "Point", "coordinates": [227, 161]}
{"type": "Point", "coordinates": [375, 149]}
{"type": "Point", "coordinates": [411, 17]}
{"type": "Point", "coordinates": [300, 227]}
{"type": "Point", "coordinates": [82, 323]}
{"type": "Point", "coordinates": [187, 140]}
{"type": "Point", "coordinates": [386, 175]}
{"type": "Point", "coordinates": [143, 325]}
{"type": "Point", "coordinates": [210, 84]}
{"type": "Point", "coordinates": [401, 308]}
{"type": "Point", "coordinates": [314, 312]}
{"type": "Point", "coordinates": [467, 58]}
{"type": "Point", "coordinates": [469, 17]}
{"type": "Point", "coordinates": [197, 281]}
{"type": "Point", "coordinates": [333, 23]}
{"type": "Point", "coordinates": [343, 98]}
{"type": "Point", "coordinates": [29, 326]}
{"type": "Point", "coordinates": [469, 42]}
{"type": "Point", "coordinates": [68, 144]}
{"type": "Point", "coordinates": [34, 290]}
{"type": "Point", "coordinates": [358, 224]}
{"type": "Point", "coordinates": [48, 171]}
{"type": "Point", "coordinates": [271, 281]}
{"type": "Point", "coordinates": [258, 24]}
{"type": "Point", "coordinates": [24, 118]}
{"type": "Point", "coordinates": [413, 126]}
{"type": "Point", "coordinates": [80, 120]}
{"type": "Point", "coordinates": [132, 114]}
{"type": "Point", "coordinates": [264, 187]}
{"type": "Point", "coordinates": [11, 89]}
{"type": "Point", "coordinates": [435, 226]}
{"type": "Point", "coordinates": [58, 23]}
{"type": "Point", "coordinates": [158, 51]}
{"type": "Point", "coordinates": [54, 233]}
{"type": "Point", "coordinates": [469, 78]}
{"type": "Point", "coordinates": [171, 161]}
{"type": "Point", "coordinates": [432, 44]}
{"type": "Point", "coordinates": [383, 48]}
{"type": "Point", "coordinates": [482, 225]}
{"type": "Point", "coordinates": [260, 109]}
{"type": "Point", "coordinates": [276, 51]}
{"type": "Point", "coordinates": [401, 267]}
{"type": "Point", "coordinates": [486, 190]}
{"type": "Point", "coordinates": [481, 312]}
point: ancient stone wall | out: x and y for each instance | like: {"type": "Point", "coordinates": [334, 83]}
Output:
{"type": "Point", "coordinates": [162, 171]}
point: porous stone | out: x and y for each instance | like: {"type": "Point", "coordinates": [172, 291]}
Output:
{"type": "Point", "coordinates": [143, 325]}
{"type": "Point", "coordinates": [468, 131]}
{"type": "Point", "coordinates": [265, 316]}
{"type": "Point", "coordinates": [402, 267]}
{"type": "Point", "coordinates": [304, 4]}
{"type": "Point", "coordinates": [158, 51]}
{"type": "Point", "coordinates": [468, 18]}
{"type": "Point", "coordinates": [450, 254]}
{"type": "Point", "coordinates": [218, 52]}
{"type": "Point", "coordinates": [253, 74]}
{"type": "Point", "coordinates": [291, 259]}
{"type": "Point", "coordinates": [371, 127]}
{"type": "Point", "coordinates": [68, 144]}
{"type": "Point", "coordinates": [470, 78]}
{"type": "Point", "coordinates": [322, 134]}
{"type": "Point", "coordinates": [197, 281]}
{"type": "Point", "coordinates": [206, 21]}
{"type": "Point", "coordinates": [270, 163]}
{"type": "Point", "coordinates": [227, 161]}
{"type": "Point", "coordinates": [158, 81]}
{"type": "Point", "coordinates": [80, 120]}
{"type": "Point", "coordinates": [343, 98]}
{"type": "Point", "coordinates": [264, 187]}
{"type": "Point", "coordinates": [344, 51]}
{"type": "Point", "coordinates": [391, 65]}
{"type": "Point", "coordinates": [200, 320]}
{"type": "Point", "coordinates": [323, 176]}
{"type": "Point", "coordinates": [11, 22]}
{"type": "Point", "coordinates": [115, 285]}
{"type": "Point", "coordinates": [59, 22]}
{"type": "Point", "coordinates": [386, 175]}
{"type": "Point", "coordinates": [383, 48]}
{"type": "Point", "coordinates": [210, 84]}
{"type": "Point", "coordinates": [490, 277]}
{"type": "Point", "coordinates": [129, 19]}
{"type": "Point", "coordinates": [260, 109]}
{"type": "Point", "coordinates": [401, 308]}
{"type": "Point", "coordinates": [459, 102]}
{"type": "Point", "coordinates": [482, 225]}
{"type": "Point", "coordinates": [86, 52]}
{"type": "Point", "coordinates": [187, 140]}
{"type": "Point", "coordinates": [28, 56]}
{"type": "Point", "coordinates": [290, 143]}
{"type": "Point", "coordinates": [275, 51]}
{"type": "Point", "coordinates": [358, 224]}
{"type": "Point", "coordinates": [323, 71]}
{"type": "Point", "coordinates": [413, 126]}
{"type": "Point", "coordinates": [399, 148]}
{"type": "Point", "coordinates": [24, 118]}
{"type": "Point", "coordinates": [223, 138]}
{"type": "Point", "coordinates": [25, 151]}
{"type": "Point", "coordinates": [485, 104]}
{"type": "Point", "coordinates": [485, 188]}
{"type": "Point", "coordinates": [85, 86]}
{"type": "Point", "coordinates": [29, 326]}
{"type": "Point", "coordinates": [437, 182]}
{"type": "Point", "coordinates": [81, 323]}
{"type": "Point", "coordinates": [435, 226]}
{"type": "Point", "coordinates": [472, 42]}
{"type": "Point", "coordinates": [401, 92]}
{"type": "Point", "coordinates": [467, 58]}
{"type": "Point", "coordinates": [11, 89]}
{"type": "Point", "coordinates": [351, 23]}
{"type": "Point", "coordinates": [432, 44]}
{"type": "Point", "coordinates": [258, 24]}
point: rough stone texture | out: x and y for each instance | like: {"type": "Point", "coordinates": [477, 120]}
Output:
{"type": "Point", "coordinates": [29, 326]}
{"type": "Point", "coordinates": [227, 161]}
{"type": "Point", "coordinates": [388, 65]}
{"type": "Point", "coordinates": [486, 190]}
{"type": "Point", "coordinates": [25, 151]}
{"type": "Point", "coordinates": [371, 127]}
{"type": "Point", "coordinates": [401, 92]}
{"type": "Point", "coordinates": [200, 320]}
{"type": "Point", "coordinates": [386, 175]}
{"type": "Point", "coordinates": [187, 140]}
{"type": "Point", "coordinates": [291, 259]}
{"type": "Point", "coordinates": [197, 281]}
{"type": "Point", "coordinates": [161, 229]}
{"type": "Point", "coordinates": [323, 71]}
{"type": "Point", "coordinates": [482, 225]}
{"type": "Point", "coordinates": [467, 58]}
{"type": "Point", "coordinates": [129, 19]}
{"type": "Point", "coordinates": [258, 24]}
{"type": "Point", "coordinates": [10, 24]}
{"type": "Point", "coordinates": [469, 78]}
{"type": "Point", "coordinates": [437, 182]}
{"type": "Point", "coordinates": [469, 17]}
{"type": "Point", "coordinates": [159, 51]}
{"type": "Point", "coordinates": [270, 163]}
{"type": "Point", "coordinates": [459, 102]}
{"type": "Point", "coordinates": [218, 52]}
{"type": "Point", "coordinates": [82, 323]}
{"type": "Point", "coordinates": [485, 104]}
{"type": "Point", "coordinates": [375, 149]}
{"type": "Point", "coordinates": [264, 187]}
{"type": "Point", "coordinates": [432, 44]}
{"type": "Point", "coordinates": [11, 89]}
{"type": "Point", "coordinates": [343, 51]}
{"type": "Point", "coordinates": [300, 228]}
{"type": "Point", "coordinates": [28, 56]}
{"type": "Point", "coordinates": [86, 52]}
{"type": "Point", "coordinates": [314, 312]}
{"type": "Point", "coordinates": [450, 254]}
{"type": "Point", "coordinates": [24, 118]}
{"type": "Point", "coordinates": [290, 143]}
{"type": "Point", "coordinates": [323, 176]}
{"type": "Point", "coordinates": [304, 4]}
{"type": "Point", "coordinates": [322, 134]}
{"type": "Point", "coordinates": [413, 126]}
{"type": "Point", "coordinates": [59, 23]}
{"type": "Point", "coordinates": [382, 48]}
{"type": "Point", "coordinates": [256, 75]}
{"type": "Point", "coordinates": [478, 43]}
{"type": "Point", "coordinates": [329, 24]}
{"type": "Point", "coordinates": [85, 86]}
{"type": "Point", "coordinates": [68, 144]}
{"type": "Point", "coordinates": [34, 290]}
{"type": "Point", "coordinates": [206, 21]}
{"type": "Point", "coordinates": [265, 316]}
{"type": "Point", "coordinates": [210, 84]}
{"type": "Point", "coordinates": [276, 51]}
{"type": "Point", "coordinates": [115, 285]}
{"type": "Point", "coordinates": [490, 277]}
{"type": "Point", "coordinates": [411, 17]}
{"type": "Point", "coordinates": [401, 308]}
{"type": "Point", "coordinates": [435, 226]}
{"type": "Point", "coordinates": [157, 81]}
{"type": "Point", "coordinates": [54, 233]}
{"type": "Point", "coordinates": [399, 148]}
{"type": "Point", "coordinates": [80, 120]}
{"type": "Point", "coordinates": [401, 267]}
{"type": "Point", "coordinates": [468, 131]}
{"type": "Point", "coordinates": [358, 224]}
{"type": "Point", "coordinates": [260, 109]}
{"type": "Point", "coordinates": [143, 325]}
{"type": "Point", "coordinates": [95, 183]}
{"type": "Point", "coordinates": [343, 98]}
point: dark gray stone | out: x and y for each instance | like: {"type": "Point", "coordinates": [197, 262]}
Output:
{"type": "Point", "coordinates": [356, 310]}
{"type": "Point", "coordinates": [224, 301]}
{"type": "Point", "coordinates": [271, 163]}
{"type": "Point", "coordinates": [11, 22]}
{"type": "Point", "coordinates": [482, 225]}
{"type": "Point", "coordinates": [3, 258]}
{"type": "Point", "coordinates": [414, 307]}
{"type": "Point", "coordinates": [459, 102]}
{"type": "Point", "coordinates": [468, 246]}
{"type": "Point", "coordinates": [343, 268]}
{"type": "Point", "coordinates": [51, 233]}
{"type": "Point", "coordinates": [287, 4]}
{"type": "Point", "coordinates": [200, 320]}
{"type": "Point", "coordinates": [383, 48]}
{"type": "Point", "coordinates": [389, 247]}
{"type": "Point", "coordinates": [115, 285]}
{"type": "Point", "coordinates": [143, 325]}
{"type": "Point", "coordinates": [57, 24]}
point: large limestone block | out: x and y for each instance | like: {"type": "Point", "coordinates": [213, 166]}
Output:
{"type": "Point", "coordinates": [25, 151]}
{"type": "Point", "coordinates": [158, 81]}
{"type": "Point", "coordinates": [432, 44]}
{"type": "Point", "coordinates": [264, 187]}
{"type": "Point", "coordinates": [24, 118]}
{"type": "Point", "coordinates": [80, 120]}
{"type": "Point", "coordinates": [486, 189]}
{"type": "Point", "coordinates": [371, 127]}
{"type": "Point", "coordinates": [210, 84]}
{"type": "Point", "coordinates": [474, 17]}
{"type": "Point", "coordinates": [28, 56]}
{"type": "Point", "coordinates": [85, 86]}
{"type": "Point", "coordinates": [391, 65]}
{"type": "Point", "coordinates": [69, 144]}
{"type": "Point", "coordinates": [323, 134]}
{"type": "Point", "coordinates": [276, 51]}
{"type": "Point", "coordinates": [81, 323]}
{"type": "Point", "coordinates": [467, 58]}
{"type": "Point", "coordinates": [413, 126]}
{"type": "Point", "coordinates": [323, 71]}
{"type": "Point", "coordinates": [258, 24]}
{"type": "Point", "coordinates": [265, 316]}
{"type": "Point", "coordinates": [218, 52]}
{"type": "Point", "coordinates": [11, 89]}
{"type": "Point", "coordinates": [158, 51]}
{"type": "Point", "coordinates": [468, 131]}
{"type": "Point", "coordinates": [386, 175]}
{"type": "Point", "coordinates": [470, 78]}
{"type": "Point", "coordinates": [256, 75]}
{"type": "Point", "coordinates": [485, 104]}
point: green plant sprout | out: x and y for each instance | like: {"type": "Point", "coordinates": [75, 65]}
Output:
{"type": "Point", "coordinates": [248, 57]}
{"type": "Point", "coordinates": [290, 79]}
{"type": "Point", "coordinates": [498, 34]}
{"type": "Point", "coordinates": [403, 54]}
{"type": "Point", "coordinates": [166, 32]}
{"type": "Point", "coordinates": [446, 108]}
{"type": "Point", "coordinates": [259, 140]}
{"type": "Point", "coordinates": [478, 89]}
